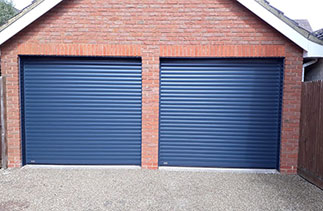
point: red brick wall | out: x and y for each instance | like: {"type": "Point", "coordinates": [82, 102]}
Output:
{"type": "Point", "coordinates": [152, 29]}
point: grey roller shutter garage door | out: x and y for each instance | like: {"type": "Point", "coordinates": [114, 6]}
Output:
{"type": "Point", "coordinates": [220, 112]}
{"type": "Point", "coordinates": [81, 110]}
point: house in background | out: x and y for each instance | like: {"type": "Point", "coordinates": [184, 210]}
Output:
{"type": "Point", "coordinates": [305, 24]}
{"type": "Point", "coordinates": [155, 84]}
{"type": "Point", "coordinates": [314, 69]}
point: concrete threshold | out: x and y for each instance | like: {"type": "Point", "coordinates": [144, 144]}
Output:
{"type": "Point", "coordinates": [161, 168]}
{"type": "Point", "coordinates": [228, 170]}
{"type": "Point", "coordinates": [81, 167]}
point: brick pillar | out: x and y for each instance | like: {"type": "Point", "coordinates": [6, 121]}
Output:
{"type": "Point", "coordinates": [150, 107]}
{"type": "Point", "coordinates": [291, 110]}
{"type": "Point", "coordinates": [9, 69]}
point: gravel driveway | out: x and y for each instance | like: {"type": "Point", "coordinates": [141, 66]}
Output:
{"type": "Point", "coordinates": [120, 189]}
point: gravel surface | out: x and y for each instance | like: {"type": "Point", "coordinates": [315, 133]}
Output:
{"type": "Point", "coordinates": [120, 189]}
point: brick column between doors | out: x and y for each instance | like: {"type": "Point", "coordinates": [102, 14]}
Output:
{"type": "Point", "coordinates": [150, 107]}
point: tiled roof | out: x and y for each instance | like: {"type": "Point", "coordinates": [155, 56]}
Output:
{"type": "Point", "coordinates": [305, 24]}
{"type": "Point", "coordinates": [319, 34]}
{"type": "Point", "coordinates": [292, 23]}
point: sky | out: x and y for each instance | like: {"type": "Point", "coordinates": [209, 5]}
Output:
{"type": "Point", "coordinates": [20, 4]}
{"type": "Point", "coordinates": [294, 9]}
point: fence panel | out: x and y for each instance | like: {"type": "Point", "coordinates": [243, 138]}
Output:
{"type": "Point", "coordinates": [310, 162]}
{"type": "Point", "coordinates": [0, 130]}
{"type": "Point", "coordinates": [3, 141]}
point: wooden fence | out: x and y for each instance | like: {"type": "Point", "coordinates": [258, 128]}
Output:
{"type": "Point", "coordinates": [311, 134]}
{"type": "Point", "coordinates": [3, 144]}
{"type": "Point", "coordinates": [1, 153]}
